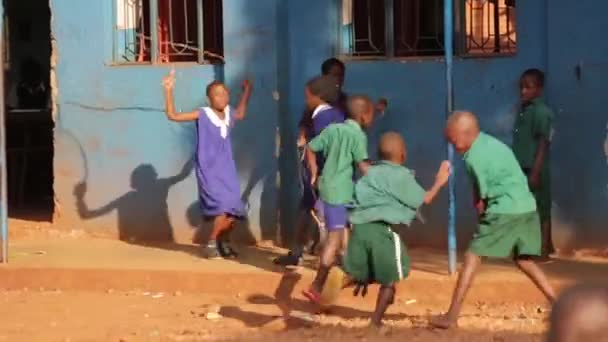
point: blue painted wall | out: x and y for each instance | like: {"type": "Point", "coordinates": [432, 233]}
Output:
{"type": "Point", "coordinates": [577, 71]}
{"type": "Point", "coordinates": [115, 112]}
{"type": "Point", "coordinates": [110, 120]}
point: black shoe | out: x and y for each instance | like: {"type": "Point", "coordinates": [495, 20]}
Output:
{"type": "Point", "coordinates": [226, 251]}
{"type": "Point", "coordinates": [288, 260]}
{"type": "Point", "coordinates": [211, 252]}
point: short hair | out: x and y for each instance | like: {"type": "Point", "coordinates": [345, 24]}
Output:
{"type": "Point", "coordinates": [358, 105]}
{"type": "Point", "coordinates": [536, 74]}
{"type": "Point", "coordinates": [390, 144]}
{"type": "Point", "coordinates": [330, 63]}
{"type": "Point", "coordinates": [213, 84]}
{"type": "Point", "coordinates": [325, 87]}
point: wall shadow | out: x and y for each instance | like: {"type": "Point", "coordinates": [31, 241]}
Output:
{"type": "Point", "coordinates": [143, 215]}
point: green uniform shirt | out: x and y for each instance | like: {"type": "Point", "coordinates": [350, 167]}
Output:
{"type": "Point", "coordinates": [342, 145]}
{"type": "Point", "coordinates": [498, 177]}
{"type": "Point", "coordinates": [533, 122]}
{"type": "Point", "coordinates": [388, 193]}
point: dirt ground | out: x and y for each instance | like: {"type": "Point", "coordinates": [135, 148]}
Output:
{"type": "Point", "coordinates": [67, 286]}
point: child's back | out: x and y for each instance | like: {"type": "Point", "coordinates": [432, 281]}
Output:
{"type": "Point", "coordinates": [388, 193]}
{"type": "Point", "coordinates": [342, 146]}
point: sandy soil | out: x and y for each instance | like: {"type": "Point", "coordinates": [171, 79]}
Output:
{"type": "Point", "coordinates": [140, 316]}
{"type": "Point", "coordinates": [172, 295]}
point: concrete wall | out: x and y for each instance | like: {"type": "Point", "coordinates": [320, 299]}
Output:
{"type": "Point", "coordinates": [577, 69]}
{"type": "Point", "coordinates": [415, 89]}
{"type": "Point", "coordinates": [110, 118]}
{"type": "Point", "coordinates": [110, 121]}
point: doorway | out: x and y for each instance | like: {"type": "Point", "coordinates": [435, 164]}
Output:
{"type": "Point", "coordinates": [29, 123]}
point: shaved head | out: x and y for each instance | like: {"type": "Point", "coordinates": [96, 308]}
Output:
{"type": "Point", "coordinates": [361, 109]}
{"type": "Point", "coordinates": [392, 147]}
{"type": "Point", "coordinates": [463, 121]}
{"type": "Point", "coordinates": [462, 129]}
{"type": "Point", "coordinates": [580, 315]}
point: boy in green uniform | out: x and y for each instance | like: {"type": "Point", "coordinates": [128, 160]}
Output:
{"type": "Point", "coordinates": [508, 221]}
{"type": "Point", "coordinates": [344, 146]}
{"type": "Point", "coordinates": [387, 195]}
{"type": "Point", "coordinates": [531, 140]}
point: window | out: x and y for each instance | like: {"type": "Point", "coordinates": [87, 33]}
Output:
{"type": "Point", "coordinates": [185, 31]}
{"type": "Point", "coordinates": [490, 26]}
{"type": "Point", "coordinates": [402, 28]}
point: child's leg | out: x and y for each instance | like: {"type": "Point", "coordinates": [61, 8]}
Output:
{"type": "Point", "coordinates": [336, 218]}
{"type": "Point", "coordinates": [328, 258]}
{"type": "Point", "coordinates": [531, 269]}
{"type": "Point", "coordinates": [221, 224]}
{"type": "Point", "coordinates": [301, 238]}
{"type": "Point", "coordinates": [465, 279]}
{"type": "Point", "coordinates": [548, 247]}
{"type": "Point", "coordinates": [223, 241]}
{"type": "Point", "coordinates": [386, 297]}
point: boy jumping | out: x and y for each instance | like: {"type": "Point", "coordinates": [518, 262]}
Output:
{"type": "Point", "coordinates": [387, 195]}
{"type": "Point", "coordinates": [508, 221]}
{"type": "Point", "coordinates": [343, 146]}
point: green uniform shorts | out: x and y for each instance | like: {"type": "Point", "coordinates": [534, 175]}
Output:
{"type": "Point", "coordinates": [504, 235]}
{"type": "Point", "coordinates": [376, 254]}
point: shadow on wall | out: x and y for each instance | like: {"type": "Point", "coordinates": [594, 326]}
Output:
{"type": "Point", "coordinates": [143, 213]}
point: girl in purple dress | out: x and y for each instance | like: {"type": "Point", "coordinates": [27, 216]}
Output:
{"type": "Point", "coordinates": [218, 182]}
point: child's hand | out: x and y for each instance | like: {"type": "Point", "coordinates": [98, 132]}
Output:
{"type": "Point", "coordinates": [480, 206]}
{"type": "Point", "coordinates": [381, 105]}
{"type": "Point", "coordinates": [169, 80]}
{"type": "Point", "coordinates": [247, 85]}
{"type": "Point", "coordinates": [360, 288]}
{"type": "Point", "coordinates": [443, 175]}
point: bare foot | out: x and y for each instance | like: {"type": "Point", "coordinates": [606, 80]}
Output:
{"type": "Point", "coordinates": [443, 322]}
{"type": "Point", "coordinates": [379, 329]}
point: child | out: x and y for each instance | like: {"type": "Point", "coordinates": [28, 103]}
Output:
{"type": "Point", "coordinates": [218, 182]}
{"type": "Point", "coordinates": [580, 315]}
{"type": "Point", "coordinates": [320, 92]}
{"type": "Point", "coordinates": [343, 146]}
{"type": "Point", "coordinates": [531, 140]}
{"type": "Point", "coordinates": [387, 195]}
{"type": "Point", "coordinates": [508, 221]}
{"type": "Point", "coordinates": [335, 68]}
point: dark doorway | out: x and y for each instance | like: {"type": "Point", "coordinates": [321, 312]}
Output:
{"type": "Point", "coordinates": [29, 123]}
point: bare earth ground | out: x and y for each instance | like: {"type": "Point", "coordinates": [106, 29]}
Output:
{"type": "Point", "coordinates": [67, 286]}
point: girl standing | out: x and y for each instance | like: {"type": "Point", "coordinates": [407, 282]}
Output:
{"type": "Point", "coordinates": [217, 178]}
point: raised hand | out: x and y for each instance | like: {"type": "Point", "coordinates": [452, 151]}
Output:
{"type": "Point", "coordinates": [169, 80]}
{"type": "Point", "coordinates": [247, 85]}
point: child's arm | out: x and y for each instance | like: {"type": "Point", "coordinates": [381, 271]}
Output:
{"type": "Point", "coordinates": [542, 131]}
{"type": "Point", "coordinates": [241, 109]}
{"type": "Point", "coordinates": [539, 159]}
{"type": "Point", "coordinates": [168, 83]}
{"type": "Point", "coordinates": [364, 166]}
{"type": "Point", "coordinates": [317, 144]}
{"type": "Point", "coordinates": [440, 180]}
{"type": "Point", "coordinates": [311, 162]}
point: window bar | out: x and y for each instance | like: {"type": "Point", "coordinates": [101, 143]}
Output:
{"type": "Point", "coordinates": [154, 31]}
{"type": "Point", "coordinates": [201, 31]}
{"type": "Point", "coordinates": [389, 24]}
{"type": "Point", "coordinates": [460, 27]}
{"type": "Point", "coordinates": [346, 20]}
{"type": "Point", "coordinates": [496, 27]}
{"type": "Point", "coordinates": [116, 40]}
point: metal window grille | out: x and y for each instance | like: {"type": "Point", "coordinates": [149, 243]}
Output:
{"type": "Point", "coordinates": [392, 27]}
{"type": "Point", "coordinates": [418, 27]}
{"type": "Point", "coordinates": [490, 26]}
{"type": "Point", "coordinates": [181, 31]}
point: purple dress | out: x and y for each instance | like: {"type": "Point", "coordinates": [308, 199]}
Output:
{"type": "Point", "coordinates": [218, 182]}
